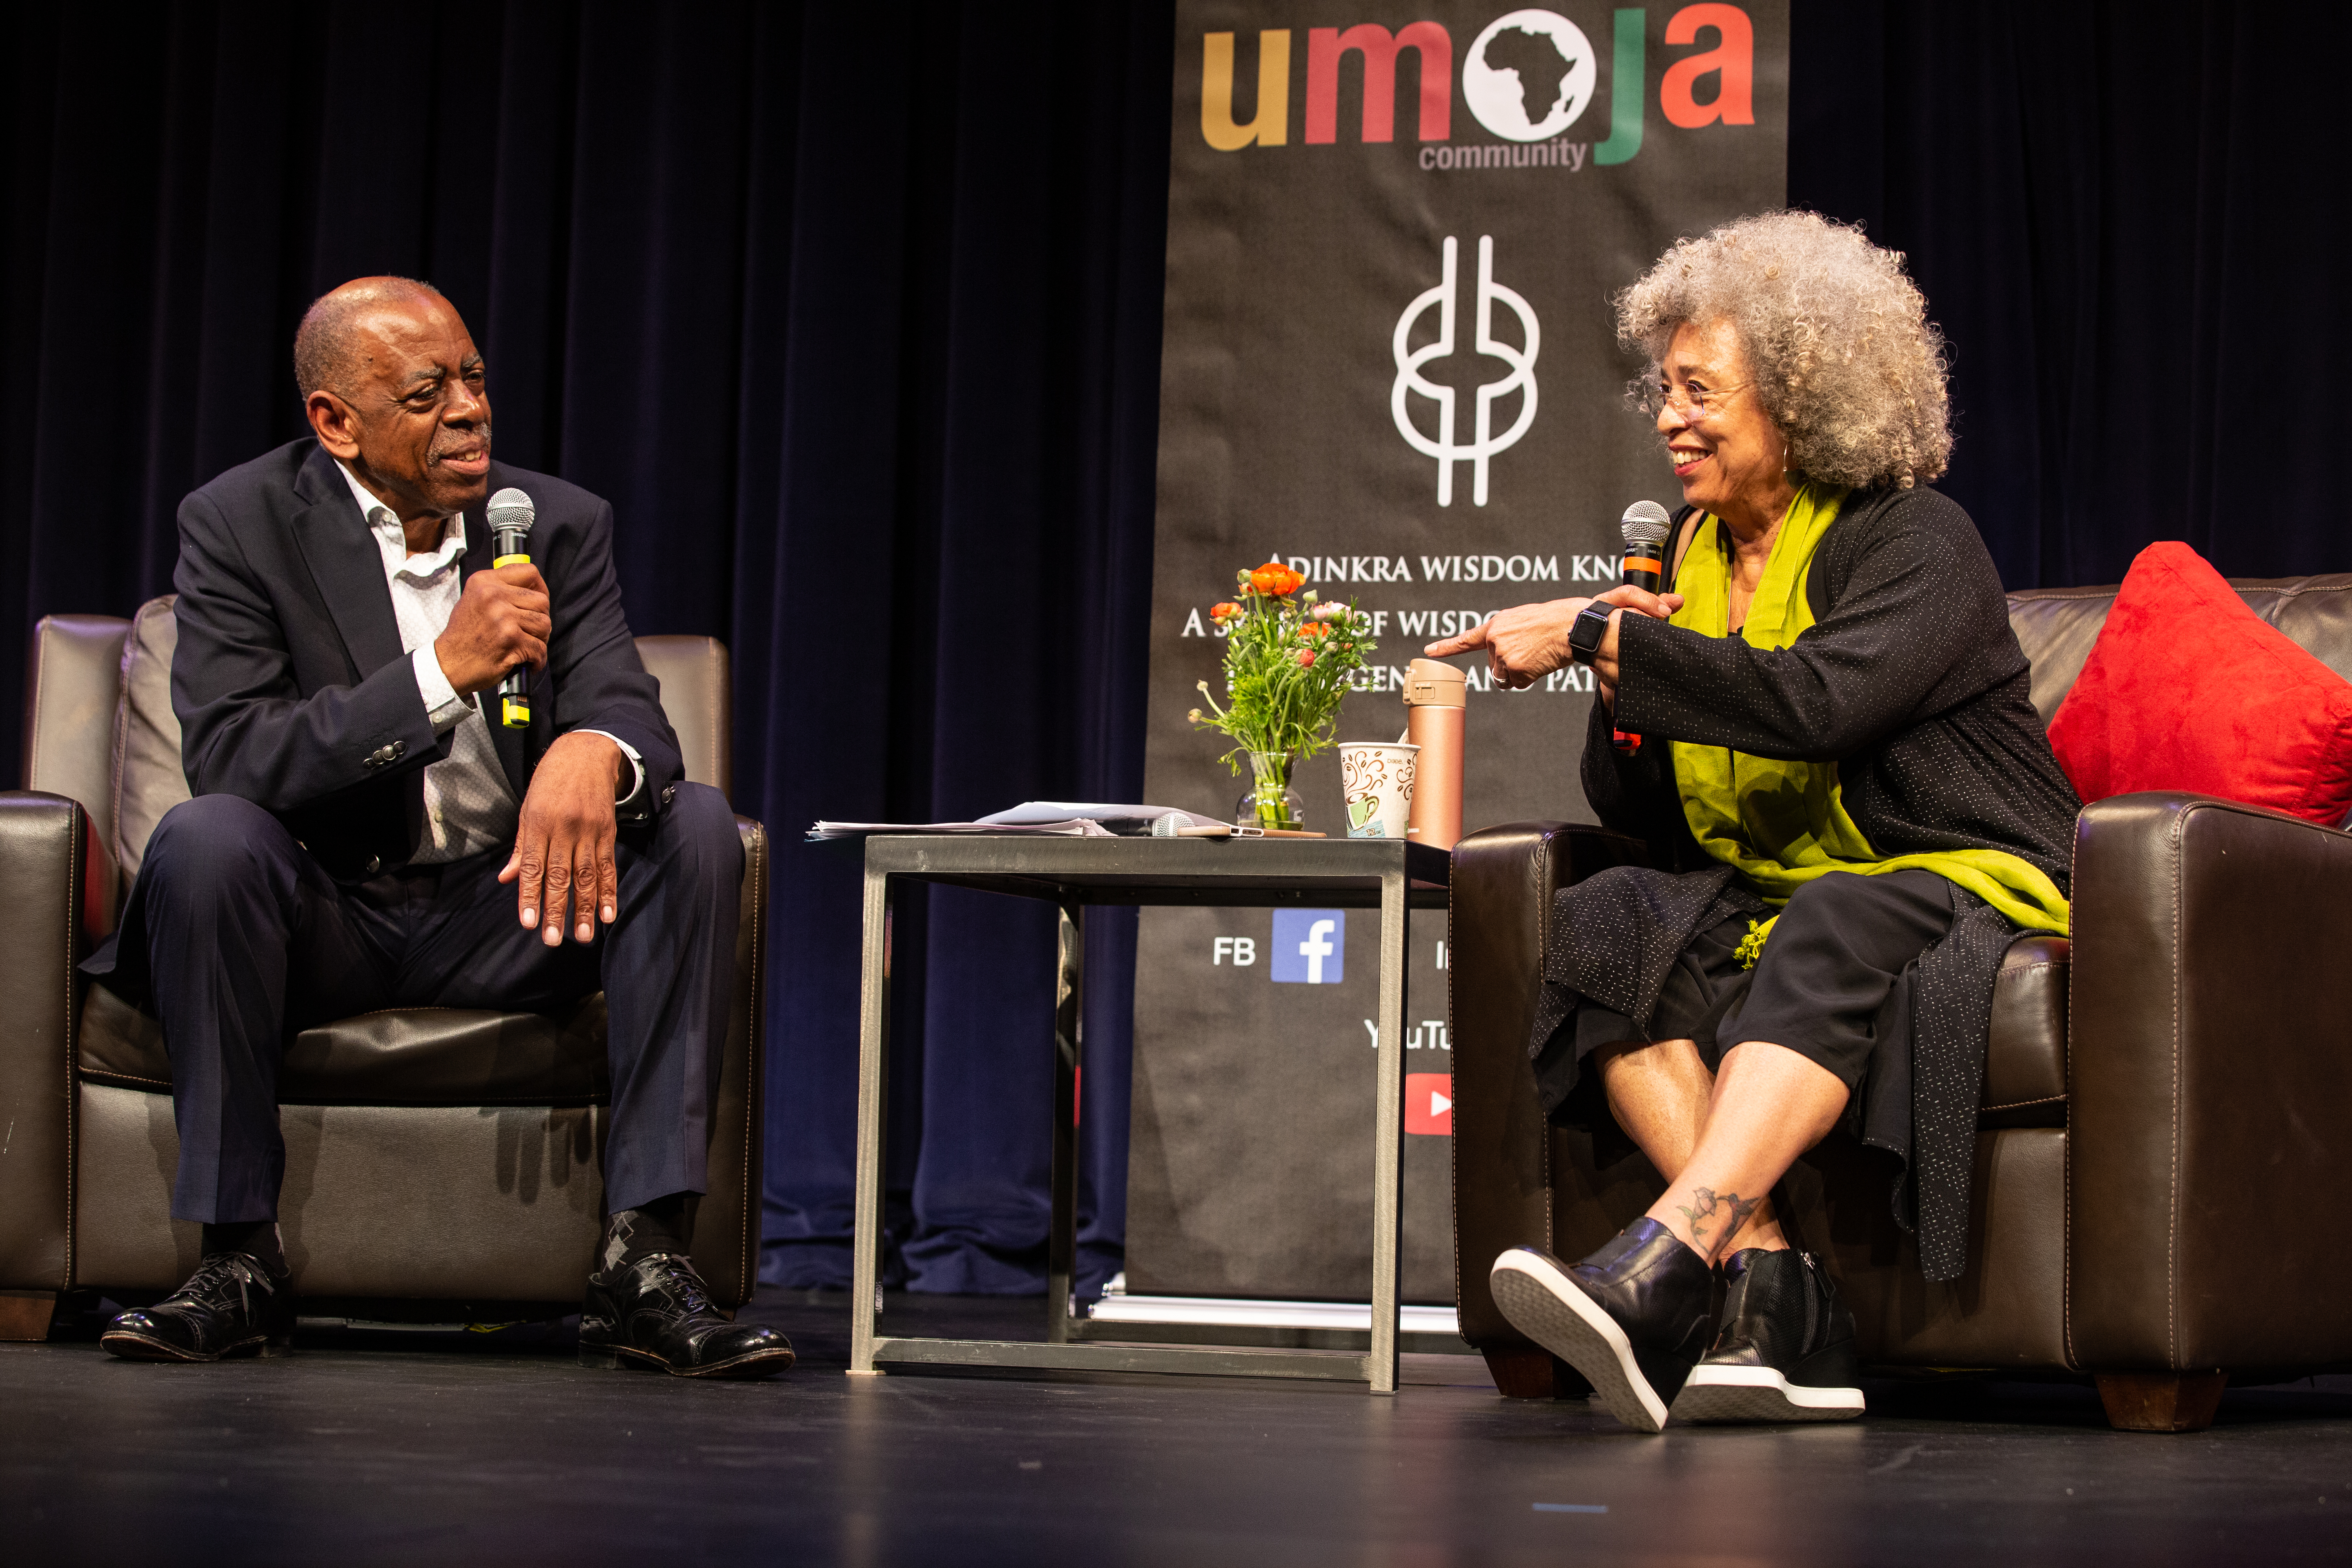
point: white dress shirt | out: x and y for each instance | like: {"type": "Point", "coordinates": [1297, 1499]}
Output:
{"type": "Point", "coordinates": [470, 805]}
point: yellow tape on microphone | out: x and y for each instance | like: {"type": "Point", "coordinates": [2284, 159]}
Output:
{"type": "Point", "coordinates": [514, 712]}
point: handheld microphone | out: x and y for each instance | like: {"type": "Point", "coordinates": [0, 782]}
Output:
{"type": "Point", "coordinates": [511, 515]}
{"type": "Point", "coordinates": [1646, 528]}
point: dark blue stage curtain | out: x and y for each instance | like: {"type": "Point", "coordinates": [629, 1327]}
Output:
{"type": "Point", "coordinates": [2124, 217]}
{"type": "Point", "coordinates": [852, 311]}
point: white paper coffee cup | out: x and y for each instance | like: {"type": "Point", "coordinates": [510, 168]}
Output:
{"type": "Point", "coordinates": [1377, 778]}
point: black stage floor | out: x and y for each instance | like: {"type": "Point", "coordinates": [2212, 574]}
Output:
{"type": "Point", "coordinates": [405, 1448]}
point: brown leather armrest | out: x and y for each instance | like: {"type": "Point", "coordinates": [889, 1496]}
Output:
{"type": "Point", "coordinates": [42, 840]}
{"type": "Point", "coordinates": [2211, 1081]}
{"type": "Point", "coordinates": [1504, 879]}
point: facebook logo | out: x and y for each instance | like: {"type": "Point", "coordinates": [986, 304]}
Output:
{"type": "Point", "coordinates": [1310, 946]}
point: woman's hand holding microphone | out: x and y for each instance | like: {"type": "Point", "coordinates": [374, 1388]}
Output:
{"type": "Point", "coordinates": [1526, 643]}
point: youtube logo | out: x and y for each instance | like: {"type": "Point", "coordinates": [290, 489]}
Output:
{"type": "Point", "coordinates": [1429, 1103]}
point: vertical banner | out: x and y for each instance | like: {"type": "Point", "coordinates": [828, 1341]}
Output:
{"type": "Point", "coordinates": [1389, 361]}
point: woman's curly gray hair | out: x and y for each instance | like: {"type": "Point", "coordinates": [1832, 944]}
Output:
{"type": "Point", "coordinates": [1837, 338]}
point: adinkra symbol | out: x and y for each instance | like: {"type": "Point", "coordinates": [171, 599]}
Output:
{"type": "Point", "coordinates": [1521, 378]}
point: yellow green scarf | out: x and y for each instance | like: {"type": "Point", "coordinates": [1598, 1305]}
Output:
{"type": "Point", "coordinates": [1782, 823]}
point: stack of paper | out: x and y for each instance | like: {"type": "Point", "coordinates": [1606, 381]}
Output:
{"type": "Point", "coordinates": [1120, 819]}
{"type": "Point", "coordinates": [1069, 819]}
{"type": "Point", "coordinates": [1074, 829]}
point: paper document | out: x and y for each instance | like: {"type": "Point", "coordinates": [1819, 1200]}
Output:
{"type": "Point", "coordinates": [1072, 827]}
{"type": "Point", "coordinates": [1069, 819]}
{"type": "Point", "coordinates": [1130, 819]}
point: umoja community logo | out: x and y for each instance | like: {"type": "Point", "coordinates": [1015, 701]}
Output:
{"type": "Point", "coordinates": [1528, 78]}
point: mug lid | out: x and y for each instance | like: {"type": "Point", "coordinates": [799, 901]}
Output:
{"type": "Point", "coordinates": [1431, 683]}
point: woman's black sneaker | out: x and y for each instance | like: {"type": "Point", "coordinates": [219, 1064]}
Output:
{"type": "Point", "coordinates": [1631, 1318]}
{"type": "Point", "coordinates": [1786, 1352]}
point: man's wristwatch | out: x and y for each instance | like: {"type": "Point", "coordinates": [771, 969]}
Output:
{"type": "Point", "coordinates": [1585, 632]}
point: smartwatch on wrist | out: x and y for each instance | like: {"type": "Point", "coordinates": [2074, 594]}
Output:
{"type": "Point", "coordinates": [1585, 632]}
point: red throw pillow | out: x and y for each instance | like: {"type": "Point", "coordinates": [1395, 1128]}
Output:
{"type": "Point", "coordinates": [2187, 688]}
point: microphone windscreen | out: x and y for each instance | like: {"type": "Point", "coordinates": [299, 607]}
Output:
{"type": "Point", "coordinates": [1645, 522]}
{"type": "Point", "coordinates": [511, 511]}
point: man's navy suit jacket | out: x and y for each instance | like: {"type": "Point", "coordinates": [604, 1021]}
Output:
{"type": "Point", "coordinates": [289, 682]}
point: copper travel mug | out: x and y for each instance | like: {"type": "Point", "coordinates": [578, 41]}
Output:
{"type": "Point", "coordinates": [1433, 697]}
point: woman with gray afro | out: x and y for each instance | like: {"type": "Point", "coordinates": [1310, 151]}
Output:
{"type": "Point", "coordinates": [1823, 735]}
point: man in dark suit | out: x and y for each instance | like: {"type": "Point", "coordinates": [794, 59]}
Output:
{"type": "Point", "coordinates": [363, 836]}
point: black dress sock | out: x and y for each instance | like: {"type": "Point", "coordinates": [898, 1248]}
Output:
{"type": "Point", "coordinates": [256, 1238]}
{"type": "Point", "coordinates": [661, 1226]}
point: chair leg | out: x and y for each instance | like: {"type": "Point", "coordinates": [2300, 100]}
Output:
{"type": "Point", "coordinates": [26, 1314]}
{"type": "Point", "coordinates": [1522, 1373]}
{"type": "Point", "coordinates": [2161, 1400]}
{"type": "Point", "coordinates": [1527, 1373]}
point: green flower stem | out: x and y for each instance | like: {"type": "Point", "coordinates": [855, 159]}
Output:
{"type": "Point", "coordinates": [1271, 703]}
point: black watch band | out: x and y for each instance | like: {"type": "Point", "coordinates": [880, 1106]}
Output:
{"type": "Point", "coordinates": [1585, 632]}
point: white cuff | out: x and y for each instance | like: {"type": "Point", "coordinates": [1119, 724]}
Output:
{"type": "Point", "coordinates": [443, 706]}
{"type": "Point", "coordinates": [636, 763]}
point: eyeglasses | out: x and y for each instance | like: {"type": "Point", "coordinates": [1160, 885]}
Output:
{"type": "Point", "coordinates": [1693, 403]}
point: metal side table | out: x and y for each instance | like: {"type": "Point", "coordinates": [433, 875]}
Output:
{"type": "Point", "coordinates": [1387, 874]}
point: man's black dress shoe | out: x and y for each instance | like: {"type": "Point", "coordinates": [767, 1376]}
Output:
{"type": "Point", "coordinates": [1786, 1352]}
{"type": "Point", "coordinates": [1631, 1318]}
{"type": "Point", "coordinates": [655, 1312]}
{"type": "Point", "coordinates": [232, 1305]}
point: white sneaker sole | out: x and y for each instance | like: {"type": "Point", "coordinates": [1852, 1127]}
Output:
{"type": "Point", "coordinates": [1758, 1393]}
{"type": "Point", "coordinates": [1542, 1303]}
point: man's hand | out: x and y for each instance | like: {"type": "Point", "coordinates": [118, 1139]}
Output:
{"type": "Point", "coordinates": [563, 858]}
{"type": "Point", "coordinates": [1525, 643]}
{"type": "Point", "coordinates": [500, 622]}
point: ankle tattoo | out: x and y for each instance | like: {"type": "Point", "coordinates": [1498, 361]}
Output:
{"type": "Point", "coordinates": [1704, 1205]}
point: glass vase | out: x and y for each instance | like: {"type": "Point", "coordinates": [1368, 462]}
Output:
{"type": "Point", "coordinates": [1271, 802]}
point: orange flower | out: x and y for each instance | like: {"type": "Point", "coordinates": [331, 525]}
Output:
{"type": "Point", "coordinates": [1276, 580]}
{"type": "Point", "coordinates": [1314, 631]}
{"type": "Point", "coordinates": [1224, 611]}
{"type": "Point", "coordinates": [1306, 660]}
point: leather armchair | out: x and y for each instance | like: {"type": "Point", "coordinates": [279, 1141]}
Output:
{"type": "Point", "coordinates": [498, 1117]}
{"type": "Point", "coordinates": [2164, 1095]}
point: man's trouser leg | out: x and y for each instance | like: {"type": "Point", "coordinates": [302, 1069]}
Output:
{"type": "Point", "coordinates": [669, 975]}
{"type": "Point", "coordinates": [234, 913]}
{"type": "Point", "coordinates": [247, 933]}
{"type": "Point", "coordinates": [667, 965]}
